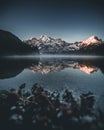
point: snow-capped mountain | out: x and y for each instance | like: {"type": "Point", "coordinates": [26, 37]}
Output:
{"type": "Point", "coordinates": [47, 44]}
{"type": "Point", "coordinates": [92, 45]}
{"type": "Point", "coordinates": [45, 39]}
{"type": "Point", "coordinates": [51, 45]}
{"type": "Point", "coordinates": [93, 40]}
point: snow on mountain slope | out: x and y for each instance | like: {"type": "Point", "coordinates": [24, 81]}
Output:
{"type": "Point", "coordinates": [47, 44]}
{"type": "Point", "coordinates": [91, 40]}
{"type": "Point", "coordinates": [45, 38]}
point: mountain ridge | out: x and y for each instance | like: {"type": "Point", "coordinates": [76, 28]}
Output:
{"type": "Point", "coordinates": [47, 44]}
{"type": "Point", "coordinates": [11, 44]}
{"type": "Point", "coordinates": [46, 39]}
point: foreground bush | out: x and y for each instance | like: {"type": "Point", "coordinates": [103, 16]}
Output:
{"type": "Point", "coordinates": [44, 110]}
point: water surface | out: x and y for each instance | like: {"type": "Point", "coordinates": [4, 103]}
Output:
{"type": "Point", "coordinates": [80, 74]}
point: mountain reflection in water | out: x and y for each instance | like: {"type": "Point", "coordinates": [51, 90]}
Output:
{"type": "Point", "coordinates": [48, 66]}
{"type": "Point", "coordinates": [80, 74]}
{"type": "Point", "coordinates": [10, 67]}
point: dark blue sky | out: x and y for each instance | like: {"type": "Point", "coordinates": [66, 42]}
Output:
{"type": "Point", "coordinates": [71, 20]}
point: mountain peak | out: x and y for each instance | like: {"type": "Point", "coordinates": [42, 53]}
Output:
{"type": "Point", "coordinates": [42, 36]}
{"type": "Point", "coordinates": [45, 38]}
{"type": "Point", "coordinates": [92, 40]}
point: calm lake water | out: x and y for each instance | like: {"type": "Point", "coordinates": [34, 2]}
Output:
{"type": "Point", "coordinates": [79, 74]}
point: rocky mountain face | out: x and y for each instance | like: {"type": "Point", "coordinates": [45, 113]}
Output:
{"type": "Point", "coordinates": [49, 45]}
{"type": "Point", "coordinates": [10, 44]}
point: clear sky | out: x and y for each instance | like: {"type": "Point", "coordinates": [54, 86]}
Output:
{"type": "Point", "coordinates": [71, 20]}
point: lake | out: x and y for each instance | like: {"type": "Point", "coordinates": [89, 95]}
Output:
{"type": "Point", "coordinates": [80, 74]}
